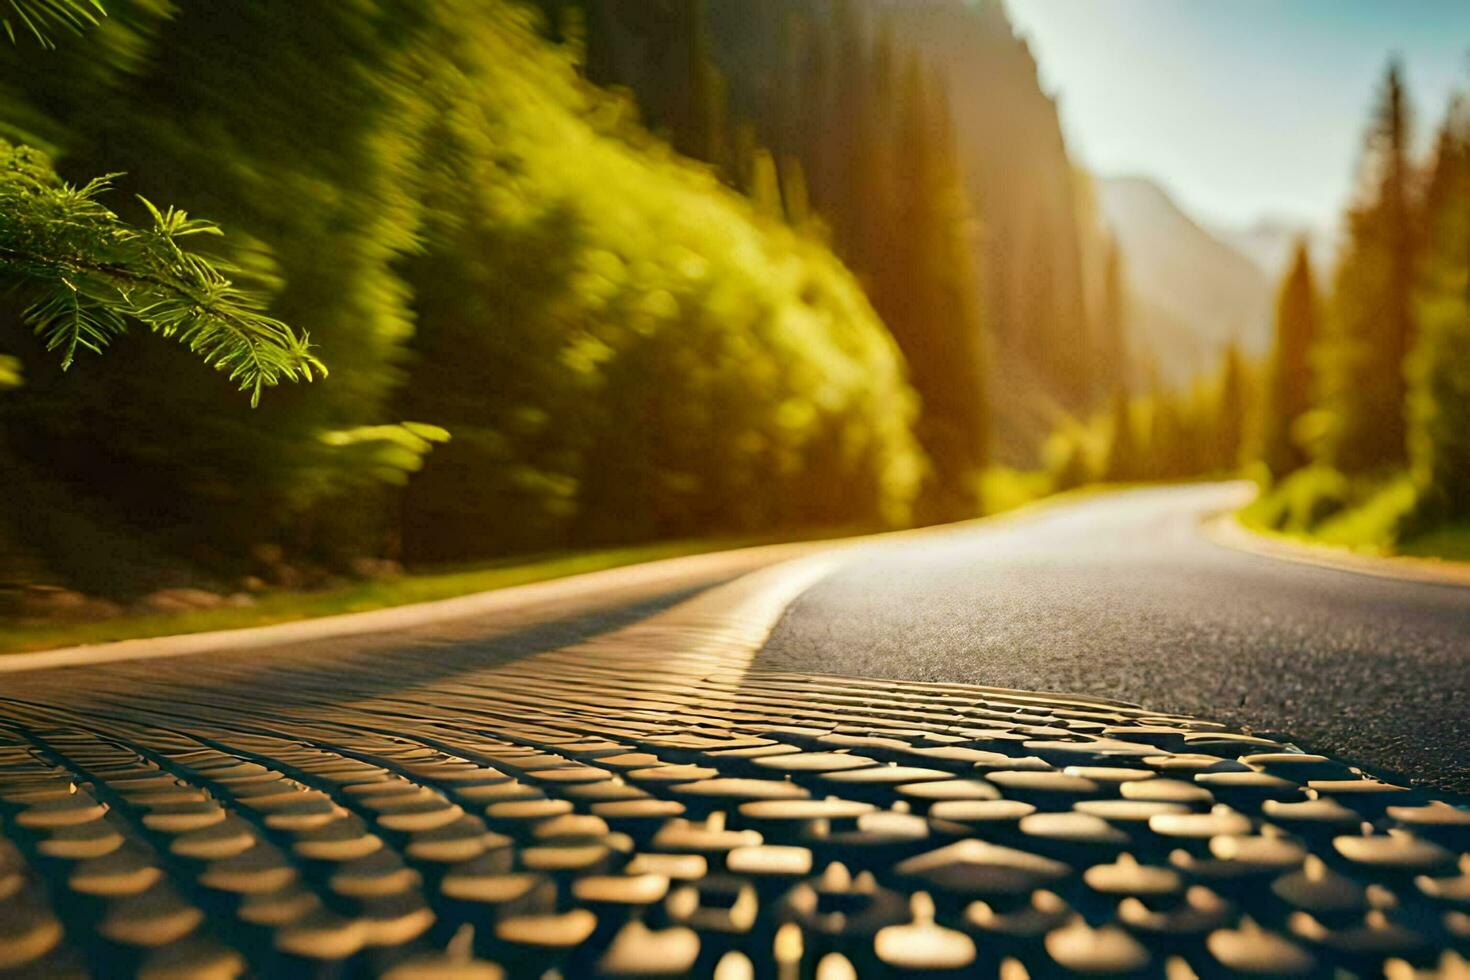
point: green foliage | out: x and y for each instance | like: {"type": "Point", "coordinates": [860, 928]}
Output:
{"type": "Point", "coordinates": [1162, 434]}
{"type": "Point", "coordinates": [865, 132]}
{"type": "Point", "coordinates": [1231, 412]}
{"type": "Point", "coordinates": [1125, 456]}
{"type": "Point", "coordinates": [291, 125]}
{"type": "Point", "coordinates": [1303, 500]}
{"type": "Point", "coordinates": [1290, 383]}
{"type": "Point", "coordinates": [1110, 354]}
{"type": "Point", "coordinates": [1324, 505]}
{"type": "Point", "coordinates": [622, 347]}
{"type": "Point", "coordinates": [928, 296]}
{"type": "Point", "coordinates": [1004, 488]}
{"type": "Point", "coordinates": [1071, 458]}
{"type": "Point", "coordinates": [87, 273]}
{"type": "Point", "coordinates": [1378, 516]}
{"type": "Point", "coordinates": [1404, 277]}
{"type": "Point", "coordinates": [1371, 319]}
{"type": "Point", "coordinates": [43, 18]}
{"type": "Point", "coordinates": [390, 452]}
{"type": "Point", "coordinates": [1439, 400]}
{"type": "Point", "coordinates": [1449, 542]}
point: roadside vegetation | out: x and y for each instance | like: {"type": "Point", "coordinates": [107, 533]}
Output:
{"type": "Point", "coordinates": [545, 308]}
{"type": "Point", "coordinates": [179, 611]}
{"type": "Point", "coordinates": [1366, 422]}
{"type": "Point", "coordinates": [1357, 426]}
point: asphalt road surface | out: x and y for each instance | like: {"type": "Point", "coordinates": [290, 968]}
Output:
{"type": "Point", "coordinates": [1121, 596]}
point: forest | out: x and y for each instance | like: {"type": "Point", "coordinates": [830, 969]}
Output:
{"type": "Point", "coordinates": [303, 293]}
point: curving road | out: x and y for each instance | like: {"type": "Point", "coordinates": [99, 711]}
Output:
{"type": "Point", "coordinates": [1121, 596]}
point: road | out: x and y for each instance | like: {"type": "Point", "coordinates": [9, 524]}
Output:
{"type": "Point", "coordinates": [1121, 596]}
{"type": "Point", "coordinates": [670, 771]}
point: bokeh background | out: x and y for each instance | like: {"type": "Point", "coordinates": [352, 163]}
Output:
{"type": "Point", "coordinates": [590, 273]}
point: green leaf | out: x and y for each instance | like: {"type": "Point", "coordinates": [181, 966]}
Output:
{"type": "Point", "coordinates": [44, 18]}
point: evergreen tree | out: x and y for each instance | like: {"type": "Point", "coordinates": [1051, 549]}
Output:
{"type": "Point", "coordinates": [1123, 461]}
{"type": "Point", "coordinates": [621, 347]}
{"type": "Point", "coordinates": [1230, 412]}
{"type": "Point", "coordinates": [1111, 348]}
{"type": "Point", "coordinates": [794, 195]}
{"type": "Point", "coordinates": [1439, 401]}
{"type": "Point", "coordinates": [696, 115]}
{"type": "Point", "coordinates": [1166, 440]}
{"type": "Point", "coordinates": [930, 302]}
{"type": "Point", "coordinates": [1371, 314]}
{"type": "Point", "coordinates": [763, 185]}
{"type": "Point", "coordinates": [1290, 381]}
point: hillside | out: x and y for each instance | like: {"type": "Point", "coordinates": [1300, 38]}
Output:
{"type": "Point", "coordinates": [1031, 258]}
{"type": "Point", "coordinates": [1190, 293]}
{"type": "Point", "coordinates": [1269, 243]}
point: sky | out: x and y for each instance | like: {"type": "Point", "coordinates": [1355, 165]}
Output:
{"type": "Point", "coordinates": [1241, 109]}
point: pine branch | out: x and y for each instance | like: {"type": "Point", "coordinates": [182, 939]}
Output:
{"type": "Point", "coordinates": [91, 273]}
{"type": "Point", "coordinates": [43, 18]}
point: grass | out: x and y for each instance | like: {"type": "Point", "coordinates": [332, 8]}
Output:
{"type": "Point", "coordinates": [1002, 490]}
{"type": "Point", "coordinates": [1324, 508]}
{"type": "Point", "coordinates": [1451, 543]}
{"type": "Point", "coordinates": [419, 586]}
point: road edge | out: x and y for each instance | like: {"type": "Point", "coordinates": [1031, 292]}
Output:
{"type": "Point", "coordinates": [662, 575]}
{"type": "Point", "coordinates": [1228, 531]}
{"type": "Point", "coordinates": [685, 571]}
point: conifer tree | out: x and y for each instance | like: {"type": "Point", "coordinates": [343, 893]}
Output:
{"type": "Point", "coordinates": [931, 302]}
{"type": "Point", "coordinates": [1123, 461]}
{"type": "Point", "coordinates": [1111, 357]}
{"type": "Point", "coordinates": [1290, 380]}
{"type": "Point", "coordinates": [763, 185]}
{"type": "Point", "coordinates": [1439, 402]}
{"type": "Point", "coordinates": [794, 194]}
{"type": "Point", "coordinates": [1371, 315]}
{"type": "Point", "coordinates": [1166, 436]}
{"type": "Point", "coordinates": [1230, 412]}
{"type": "Point", "coordinates": [697, 116]}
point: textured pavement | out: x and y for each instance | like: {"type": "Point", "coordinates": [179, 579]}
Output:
{"type": "Point", "coordinates": [1120, 596]}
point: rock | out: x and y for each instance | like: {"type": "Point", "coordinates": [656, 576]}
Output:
{"type": "Point", "coordinates": [375, 569]}
{"type": "Point", "coordinates": [253, 583]}
{"type": "Point", "coordinates": [180, 600]}
{"type": "Point", "coordinates": [50, 603]}
{"type": "Point", "coordinates": [240, 600]}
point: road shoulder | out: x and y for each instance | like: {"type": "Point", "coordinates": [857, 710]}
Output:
{"type": "Point", "coordinates": [1227, 531]}
{"type": "Point", "coordinates": [554, 598]}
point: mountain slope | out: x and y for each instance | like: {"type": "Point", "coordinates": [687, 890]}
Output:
{"type": "Point", "coordinates": [1269, 243]}
{"type": "Point", "coordinates": [1191, 294]}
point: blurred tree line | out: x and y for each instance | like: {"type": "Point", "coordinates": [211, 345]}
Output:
{"type": "Point", "coordinates": [1367, 415]}
{"type": "Point", "coordinates": [474, 239]}
{"type": "Point", "coordinates": [916, 137]}
{"type": "Point", "coordinates": [858, 149]}
{"type": "Point", "coordinates": [1358, 422]}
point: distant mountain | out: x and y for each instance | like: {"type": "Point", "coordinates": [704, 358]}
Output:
{"type": "Point", "coordinates": [1190, 293]}
{"type": "Point", "coordinates": [1269, 244]}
